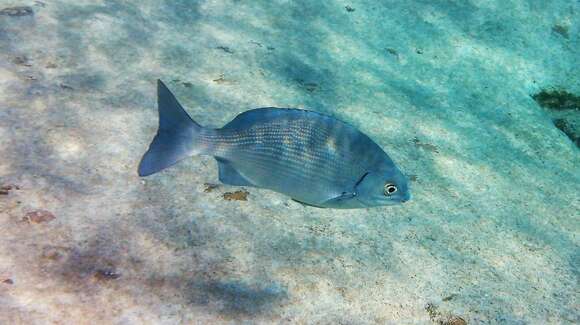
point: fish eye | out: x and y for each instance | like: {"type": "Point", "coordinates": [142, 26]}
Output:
{"type": "Point", "coordinates": [390, 189]}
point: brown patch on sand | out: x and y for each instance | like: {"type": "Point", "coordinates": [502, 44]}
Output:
{"type": "Point", "coordinates": [38, 216]}
{"type": "Point", "coordinates": [438, 317]}
{"type": "Point", "coordinates": [236, 196]}
{"type": "Point", "coordinates": [5, 189]}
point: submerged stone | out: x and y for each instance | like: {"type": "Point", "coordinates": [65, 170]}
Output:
{"type": "Point", "coordinates": [17, 11]}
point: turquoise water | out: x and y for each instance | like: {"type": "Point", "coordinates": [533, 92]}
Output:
{"type": "Point", "coordinates": [477, 101]}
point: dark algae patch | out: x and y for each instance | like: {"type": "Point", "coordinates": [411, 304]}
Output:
{"type": "Point", "coordinates": [568, 130]}
{"type": "Point", "coordinates": [561, 30]}
{"type": "Point", "coordinates": [564, 108]}
{"type": "Point", "coordinates": [557, 100]}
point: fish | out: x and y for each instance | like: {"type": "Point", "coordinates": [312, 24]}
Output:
{"type": "Point", "coordinates": [311, 157]}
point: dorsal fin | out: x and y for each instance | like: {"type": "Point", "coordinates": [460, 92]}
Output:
{"type": "Point", "coordinates": [260, 115]}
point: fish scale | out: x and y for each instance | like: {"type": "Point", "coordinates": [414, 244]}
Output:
{"type": "Point", "coordinates": [311, 157]}
{"type": "Point", "coordinates": [314, 153]}
{"type": "Point", "coordinates": [291, 163]}
{"type": "Point", "coordinates": [294, 151]}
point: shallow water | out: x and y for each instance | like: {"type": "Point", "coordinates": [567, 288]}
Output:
{"type": "Point", "coordinates": [448, 88]}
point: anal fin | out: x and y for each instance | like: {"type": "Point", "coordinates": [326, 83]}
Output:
{"type": "Point", "coordinates": [229, 175]}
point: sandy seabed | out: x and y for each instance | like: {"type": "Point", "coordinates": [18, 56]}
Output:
{"type": "Point", "coordinates": [446, 87]}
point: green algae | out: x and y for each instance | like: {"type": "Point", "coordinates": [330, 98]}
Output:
{"type": "Point", "coordinates": [569, 130]}
{"type": "Point", "coordinates": [557, 99]}
{"type": "Point", "coordinates": [563, 107]}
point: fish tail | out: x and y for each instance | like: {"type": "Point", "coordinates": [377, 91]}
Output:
{"type": "Point", "coordinates": [178, 135]}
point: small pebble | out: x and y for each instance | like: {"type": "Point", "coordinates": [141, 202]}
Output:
{"type": "Point", "coordinates": [107, 275]}
{"type": "Point", "coordinates": [221, 80]}
{"type": "Point", "coordinates": [225, 49]}
{"type": "Point", "coordinates": [17, 11]}
{"type": "Point", "coordinates": [425, 146]}
{"type": "Point", "coordinates": [455, 320]}
{"type": "Point", "coordinates": [5, 189]}
{"type": "Point", "coordinates": [210, 187]}
{"type": "Point", "coordinates": [450, 297]}
{"type": "Point", "coordinates": [22, 60]}
{"type": "Point", "coordinates": [392, 51]}
{"type": "Point", "coordinates": [39, 216]}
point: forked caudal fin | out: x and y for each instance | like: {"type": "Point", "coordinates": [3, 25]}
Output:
{"type": "Point", "coordinates": [176, 137]}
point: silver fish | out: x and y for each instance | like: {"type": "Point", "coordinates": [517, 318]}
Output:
{"type": "Point", "coordinates": [313, 158]}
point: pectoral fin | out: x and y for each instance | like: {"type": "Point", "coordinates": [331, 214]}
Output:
{"type": "Point", "coordinates": [343, 197]}
{"type": "Point", "coordinates": [229, 175]}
